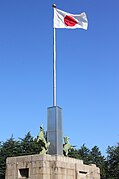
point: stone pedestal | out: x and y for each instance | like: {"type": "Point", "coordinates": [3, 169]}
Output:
{"type": "Point", "coordinates": [49, 167]}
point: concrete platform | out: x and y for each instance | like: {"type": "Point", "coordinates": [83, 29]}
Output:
{"type": "Point", "coordinates": [49, 167]}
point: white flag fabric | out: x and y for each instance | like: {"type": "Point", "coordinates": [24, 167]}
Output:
{"type": "Point", "coordinates": [71, 21]}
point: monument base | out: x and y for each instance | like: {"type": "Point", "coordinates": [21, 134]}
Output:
{"type": "Point", "coordinates": [49, 167]}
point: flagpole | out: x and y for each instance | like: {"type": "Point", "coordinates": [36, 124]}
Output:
{"type": "Point", "coordinates": [54, 66]}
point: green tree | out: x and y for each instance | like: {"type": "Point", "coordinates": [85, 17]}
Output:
{"type": "Point", "coordinates": [100, 161]}
{"type": "Point", "coordinates": [113, 162]}
{"type": "Point", "coordinates": [12, 148]}
{"type": "Point", "coordinates": [9, 148]}
{"type": "Point", "coordinates": [74, 153]}
{"type": "Point", "coordinates": [84, 154]}
{"type": "Point", "coordinates": [92, 156]}
{"type": "Point", "coordinates": [29, 145]}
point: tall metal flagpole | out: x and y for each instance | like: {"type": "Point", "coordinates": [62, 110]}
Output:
{"type": "Point", "coordinates": [54, 66]}
{"type": "Point", "coordinates": [54, 119]}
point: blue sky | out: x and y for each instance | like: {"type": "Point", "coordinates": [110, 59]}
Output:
{"type": "Point", "coordinates": [87, 70]}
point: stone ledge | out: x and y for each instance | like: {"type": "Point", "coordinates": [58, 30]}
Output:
{"type": "Point", "coordinates": [49, 167]}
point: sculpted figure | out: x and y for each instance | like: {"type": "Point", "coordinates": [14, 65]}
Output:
{"type": "Point", "coordinates": [41, 137]}
{"type": "Point", "coordinates": [67, 146]}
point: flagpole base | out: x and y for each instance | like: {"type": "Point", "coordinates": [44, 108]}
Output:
{"type": "Point", "coordinates": [54, 130]}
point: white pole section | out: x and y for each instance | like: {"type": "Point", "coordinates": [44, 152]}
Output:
{"type": "Point", "coordinates": [54, 71]}
{"type": "Point", "coordinates": [54, 65]}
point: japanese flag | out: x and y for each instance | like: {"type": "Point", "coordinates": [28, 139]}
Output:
{"type": "Point", "coordinates": [66, 20]}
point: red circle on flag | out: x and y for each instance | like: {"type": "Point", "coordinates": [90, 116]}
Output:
{"type": "Point", "coordinates": [70, 21]}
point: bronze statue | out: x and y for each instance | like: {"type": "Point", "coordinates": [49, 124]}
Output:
{"type": "Point", "coordinates": [41, 137]}
{"type": "Point", "coordinates": [67, 146]}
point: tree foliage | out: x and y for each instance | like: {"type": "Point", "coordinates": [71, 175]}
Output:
{"type": "Point", "coordinates": [9, 148]}
{"type": "Point", "coordinates": [97, 158]}
{"type": "Point", "coordinates": [12, 148]}
{"type": "Point", "coordinates": [113, 162]}
{"type": "Point", "coordinates": [29, 145]}
{"type": "Point", "coordinates": [92, 156]}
